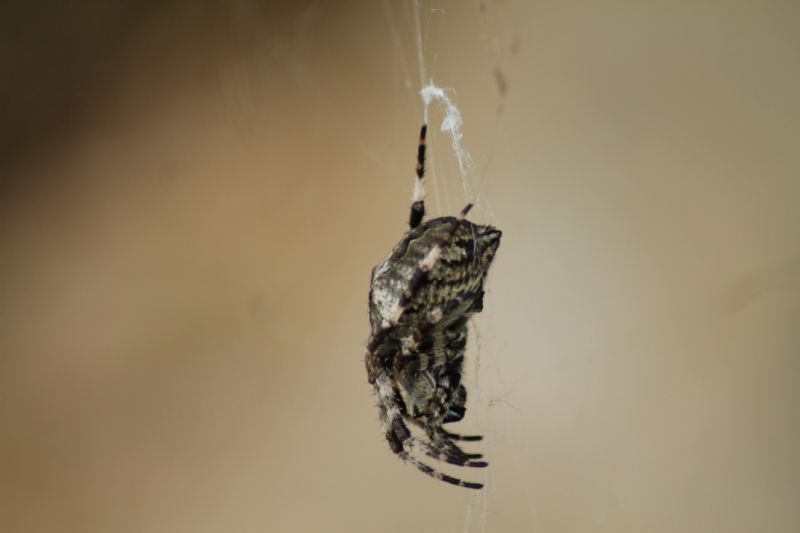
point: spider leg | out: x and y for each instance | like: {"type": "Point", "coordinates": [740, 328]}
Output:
{"type": "Point", "coordinates": [449, 405]}
{"type": "Point", "coordinates": [424, 468]}
{"type": "Point", "coordinates": [451, 398]}
{"type": "Point", "coordinates": [445, 455]}
{"type": "Point", "coordinates": [465, 438]}
{"type": "Point", "coordinates": [398, 435]}
{"type": "Point", "coordinates": [418, 205]}
{"type": "Point", "coordinates": [441, 441]}
{"type": "Point", "coordinates": [440, 447]}
{"type": "Point", "coordinates": [449, 453]}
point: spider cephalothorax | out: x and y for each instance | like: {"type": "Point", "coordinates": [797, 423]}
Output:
{"type": "Point", "coordinates": [420, 299]}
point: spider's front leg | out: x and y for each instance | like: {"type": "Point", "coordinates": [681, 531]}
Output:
{"type": "Point", "coordinates": [418, 205]}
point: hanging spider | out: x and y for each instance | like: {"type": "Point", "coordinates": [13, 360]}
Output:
{"type": "Point", "coordinates": [420, 299]}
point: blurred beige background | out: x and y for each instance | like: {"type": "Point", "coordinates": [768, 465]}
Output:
{"type": "Point", "coordinates": [194, 193]}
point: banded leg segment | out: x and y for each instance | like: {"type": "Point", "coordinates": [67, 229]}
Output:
{"type": "Point", "coordinates": [466, 438]}
{"type": "Point", "coordinates": [399, 436]}
{"type": "Point", "coordinates": [418, 205]}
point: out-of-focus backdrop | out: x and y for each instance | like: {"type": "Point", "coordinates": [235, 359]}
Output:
{"type": "Point", "coordinates": [193, 194]}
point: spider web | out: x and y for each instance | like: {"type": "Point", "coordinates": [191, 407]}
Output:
{"type": "Point", "coordinates": [440, 110]}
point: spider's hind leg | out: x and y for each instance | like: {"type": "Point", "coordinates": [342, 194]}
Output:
{"type": "Point", "coordinates": [418, 205]}
{"type": "Point", "coordinates": [399, 437]}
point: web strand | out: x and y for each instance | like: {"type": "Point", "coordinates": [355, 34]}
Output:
{"type": "Point", "coordinates": [452, 121]}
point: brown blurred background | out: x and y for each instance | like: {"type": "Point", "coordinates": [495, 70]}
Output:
{"type": "Point", "coordinates": [193, 195]}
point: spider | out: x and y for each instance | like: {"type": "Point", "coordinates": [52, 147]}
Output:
{"type": "Point", "coordinates": [420, 300]}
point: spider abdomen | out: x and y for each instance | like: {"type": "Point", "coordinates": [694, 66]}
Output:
{"type": "Point", "coordinates": [455, 283]}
